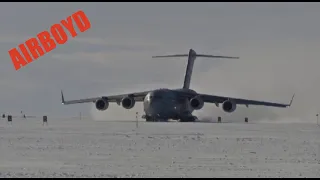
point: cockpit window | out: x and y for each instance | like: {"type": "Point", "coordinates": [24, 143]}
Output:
{"type": "Point", "coordinates": [155, 97]}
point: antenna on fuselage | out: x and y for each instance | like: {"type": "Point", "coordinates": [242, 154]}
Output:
{"type": "Point", "coordinates": [191, 58]}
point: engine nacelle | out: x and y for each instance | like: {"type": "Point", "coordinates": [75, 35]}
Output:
{"type": "Point", "coordinates": [196, 103]}
{"type": "Point", "coordinates": [229, 106]}
{"type": "Point", "coordinates": [128, 102]}
{"type": "Point", "coordinates": [102, 104]}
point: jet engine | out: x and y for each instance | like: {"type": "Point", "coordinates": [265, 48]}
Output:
{"type": "Point", "coordinates": [196, 103]}
{"type": "Point", "coordinates": [102, 104]}
{"type": "Point", "coordinates": [128, 102]}
{"type": "Point", "coordinates": [229, 106]}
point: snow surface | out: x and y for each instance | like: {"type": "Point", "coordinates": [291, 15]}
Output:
{"type": "Point", "coordinates": [87, 148]}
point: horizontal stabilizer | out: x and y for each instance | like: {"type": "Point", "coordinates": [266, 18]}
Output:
{"type": "Point", "coordinates": [176, 55]}
{"type": "Point", "coordinates": [211, 56]}
{"type": "Point", "coordinates": [194, 54]}
{"type": "Point", "coordinates": [197, 55]}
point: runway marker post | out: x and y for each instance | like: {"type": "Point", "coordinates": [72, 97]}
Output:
{"type": "Point", "coordinates": [10, 119]}
{"type": "Point", "coordinates": [137, 120]}
{"type": "Point", "coordinates": [219, 119]}
{"type": "Point", "coordinates": [45, 120]}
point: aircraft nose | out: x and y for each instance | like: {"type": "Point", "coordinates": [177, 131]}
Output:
{"type": "Point", "coordinates": [159, 107]}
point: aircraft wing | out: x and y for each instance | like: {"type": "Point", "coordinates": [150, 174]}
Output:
{"type": "Point", "coordinates": [138, 96]}
{"type": "Point", "coordinates": [220, 99]}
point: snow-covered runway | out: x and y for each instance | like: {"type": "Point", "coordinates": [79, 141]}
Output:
{"type": "Point", "coordinates": [87, 148]}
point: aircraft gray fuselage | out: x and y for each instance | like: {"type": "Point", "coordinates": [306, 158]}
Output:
{"type": "Point", "coordinates": [167, 104]}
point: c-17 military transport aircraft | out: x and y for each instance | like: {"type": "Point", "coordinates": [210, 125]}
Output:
{"type": "Point", "coordinates": [176, 104]}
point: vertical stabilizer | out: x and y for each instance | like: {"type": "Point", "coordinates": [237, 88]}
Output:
{"type": "Point", "coordinates": [191, 58]}
{"type": "Point", "coordinates": [187, 77]}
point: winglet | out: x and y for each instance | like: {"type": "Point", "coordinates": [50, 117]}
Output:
{"type": "Point", "coordinates": [291, 100]}
{"type": "Point", "coordinates": [62, 98]}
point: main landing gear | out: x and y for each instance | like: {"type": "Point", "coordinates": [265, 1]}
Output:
{"type": "Point", "coordinates": [184, 119]}
{"type": "Point", "coordinates": [189, 119]}
{"type": "Point", "coordinates": [153, 119]}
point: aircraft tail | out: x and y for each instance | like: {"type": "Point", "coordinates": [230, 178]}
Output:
{"type": "Point", "coordinates": [191, 58]}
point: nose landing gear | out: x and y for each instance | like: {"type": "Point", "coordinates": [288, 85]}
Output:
{"type": "Point", "coordinates": [189, 119]}
{"type": "Point", "coordinates": [154, 119]}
